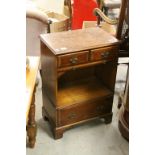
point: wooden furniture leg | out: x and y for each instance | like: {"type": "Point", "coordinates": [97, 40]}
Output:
{"type": "Point", "coordinates": [58, 133]}
{"type": "Point", "coordinates": [108, 118]}
{"type": "Point", "coordinates": [123, 123]}
{"type": "Point", "coordinates": [31, 126]}
{"type": "Point", "coordinates": [106, 9]}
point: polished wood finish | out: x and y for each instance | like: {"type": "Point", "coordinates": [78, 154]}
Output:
{"type": "Point", "coordinates": [79, 112]}
{"type": "Point", "coordinates": [103, 53]}
{"type": "Point", "coordinates": [77, 78]}
{"type": "Point", "coordinates": [73, 59]}
{"type": "Point", "coordinates": [80, 90]}
{"type": "Point", "coordinates": [31, 125]}
{"type": "Point", "coordinates": [31, 74]}
{"type": "Point", "coordinates": [78, 40]}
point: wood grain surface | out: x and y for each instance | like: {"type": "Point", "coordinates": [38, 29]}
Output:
{"type": "Point", "coordinates": [77, 40]}
{"type": "Point", "coordinates": [31, 75]}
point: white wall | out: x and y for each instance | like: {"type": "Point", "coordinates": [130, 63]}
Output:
{"type": "Point", "coordinates": [52, 5]}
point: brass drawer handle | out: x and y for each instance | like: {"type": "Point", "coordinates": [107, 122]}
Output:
{"type": "Point", "coordinates": [72, 116]}
{"type": "Point", "coordinates": [74, 60]}
{"type": "Point", "coordinates": [105, 54]}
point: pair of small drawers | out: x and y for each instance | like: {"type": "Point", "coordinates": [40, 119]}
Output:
{"type": "Point", "coordinates": [105, 54]}
{"type": "Point", "coordinates": [84, 111]}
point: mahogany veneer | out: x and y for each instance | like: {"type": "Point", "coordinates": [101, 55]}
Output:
{"type": "Point", "coordinates": [78, 77]}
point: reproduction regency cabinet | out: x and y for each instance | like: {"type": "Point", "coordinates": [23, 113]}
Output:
{"type": "Point", "coordinates": [78, 77]}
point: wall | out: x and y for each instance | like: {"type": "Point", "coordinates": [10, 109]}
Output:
{"type": "Point", "coordinates": [52, 5]}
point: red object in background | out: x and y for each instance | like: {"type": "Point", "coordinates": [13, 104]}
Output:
{"type": "Point", "coordinates": [83, 11]}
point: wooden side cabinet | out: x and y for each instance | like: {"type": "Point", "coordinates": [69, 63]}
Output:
{"type": "Point", "coordinates": [78, 77]}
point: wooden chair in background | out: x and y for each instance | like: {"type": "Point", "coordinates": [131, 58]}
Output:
{"type": "Point", "coordinates": [79, 11]}
{"type": "Point", "coordinates": [68, 4]}
{"type": "Point", "coordinates": [110, 4]}
{"type": "Point", "coordinates": [117, 27]}
{"type": "Point", "coordinates": [122, 33]}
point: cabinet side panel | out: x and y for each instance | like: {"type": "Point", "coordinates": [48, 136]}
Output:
{"type": "Point", "coordinates": [49, 73]}
{"type": "Point", "coordinates": [49, 108]}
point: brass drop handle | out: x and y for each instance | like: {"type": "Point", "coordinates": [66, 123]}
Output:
{"type": "Point", "coordinates": [74, 60]}
{"type": "Point", "coordinates": [72, 116]}
{"type": "Point", "coordinates": [105, 54]}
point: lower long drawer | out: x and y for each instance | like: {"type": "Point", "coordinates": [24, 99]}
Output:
{"type": "Point", "coordinates": [83, 111]}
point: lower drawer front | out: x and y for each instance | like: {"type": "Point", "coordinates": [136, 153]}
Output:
{"type": "Point", "coordinates": [79, 112]}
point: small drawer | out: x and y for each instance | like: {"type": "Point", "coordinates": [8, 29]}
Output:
{"type": "Point", "coordinates": [109, 53]}
{"type": "Point", "coordinates": [73, 59]}
{"type": "Point", "coordinates": [84, 111]}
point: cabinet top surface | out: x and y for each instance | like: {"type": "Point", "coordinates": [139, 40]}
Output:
{"type": "Point", "coordinates": [78, 40]}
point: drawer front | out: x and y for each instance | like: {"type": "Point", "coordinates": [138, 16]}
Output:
{"type": "Point", "coordinates": [107, 54]}
{"type": "Point", "coordinates": [85, 111]}
{"type": "Point", "coordinates": [73, 59]}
